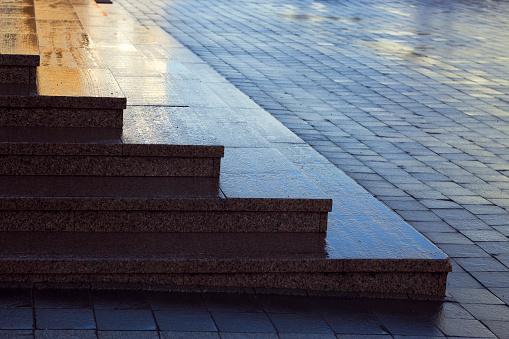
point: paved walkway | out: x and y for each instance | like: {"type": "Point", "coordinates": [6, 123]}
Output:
{"type": "Point", "coordinates": [409, 98]}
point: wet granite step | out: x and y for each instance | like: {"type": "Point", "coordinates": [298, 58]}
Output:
{"type": "Point", "coordinates": [19, 48]}
{"type": "Point", "coordinates": [154, 141]}
{"type": "Point", "coordinates": [294, 261]}
{"type": "Point", "coordinates": [64, 97]}
{"type": "Point", "coordinates": [155, 204]}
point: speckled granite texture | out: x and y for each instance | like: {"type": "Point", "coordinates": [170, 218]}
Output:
{"type": "Point", "coordinates": [168, 221]}
{"type": "Point", "coordinates": [19, 50]}
{"type": "Point", "coordinates": [407, 285]}
{"type": "Point", "coordinates": [16, 74]}
{"type": "Point", "coordinates": [110, 166]}
{"type": "Point", "coordinates": [153, 142]}
{"type": "Point", "coordinates": [60, 117]}
{"type": "Point", "coordinates": [66, 88]}
{"type": "Point", "coordinates": [292, 261]}
{"type": "Point", "coordinates": [266, 216]}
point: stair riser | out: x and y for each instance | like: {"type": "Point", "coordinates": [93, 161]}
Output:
{"type": "Point", "coordinates": [429, 284]}
{"type": "Point", "coordinates": [109, 166]}
{"type": "Point", "coordinates": [169, 221]}
{"type": "Point", "coordinates": [61, 117]}
{"type": "Point", "coordinates": [17, 75]}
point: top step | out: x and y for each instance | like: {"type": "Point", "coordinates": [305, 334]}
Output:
{"type": "Point", "coordinates": [19, 46]}
{"type": "Point", "coordinates": [64, 97]}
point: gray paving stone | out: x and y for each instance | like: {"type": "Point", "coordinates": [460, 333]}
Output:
{"type": "Point", "coordinates": [447, 238]}
{"type": "Point", "coordinates": [300, 323]}
{"type": "Point", "coordinates": [464, 251]}
{"type": "Point", "coordinates": [188, 335]}
{"type": "Point", "coordinates": [18, 334]}
{"type": "Point", "coordinates": [474, 296]}
{"type": "Point", "coordinates": [170, 321]}
{"type": "Point", "coordinates": [496, 247]}
{"type": "Point", "coordinates": [468, 224]}
{"type": "Point", "coordinates": [463, 327]}
{"type": "Point", "coordinates": [127, 334]}
{"type": "Point", "coordinates": [485, 235]}
{"type": "Point", "coordinates": [432, 226]}
{"type": "Point", "coordinates": [65, 319]}
{"type": "Point", "coordinates": [15, 298]}
{"type": "Point", "coordinates": [243, 322]}
{"type": "Point", "coordinates": [63, 334]}
{"type": "Point", "coordinates": [492, 279]}
{"type": "Point", "coordinates": [481, 265]}
{"type": "Point", "coordinates": [456, 214]}
{"type": "Point", "coordinates": [249, 336]}
{"type": "Point", "coordinates": [462, 280]}
{"type": "Point", "coordinates": [499, 328]}
{"type": "Point", "coordinates": [372, 336]}
{"type": "Point", "coordinates": [419, 216]}
{"type": "Point", "coordinates": [16, 319]}
{"type": "Point", "coordinates": [119, 300]}
{"type": "Point", "coordinates": [502, 293]}
{"type": "Point", "coordinates": [503, 229]}
{"type": "Point", "coordinates": [488, 312]}
{"type": "Point", "coordinates": [126, 319]}
{"type": "Point", "coordinates": [435, 204]}
{"type": "Point", "coordinates": [231, 303]}
{"type": "Point", "coordinates": [62, 299]}
{"type": "Point", "coordinates": [504, 259]}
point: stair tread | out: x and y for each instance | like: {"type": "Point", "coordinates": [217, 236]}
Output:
{"type": "Point", "coordinates": [66, 88]}
{"type": "Point", "coordinates": [147, 131]}
{"type": "Point", "coordinates": [18, 35]}
{"type": "Point", "coordinates": [17, 24]}
{"type": "Point", "coordinates": [18, 49]}
{"type": "Point", "coordinates": [195, 253]}
{"type": "Point", "coordinates": [17, 2]}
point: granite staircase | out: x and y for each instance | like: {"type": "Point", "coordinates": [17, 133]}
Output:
{"type": "Point", "coordinates": [99, 192]}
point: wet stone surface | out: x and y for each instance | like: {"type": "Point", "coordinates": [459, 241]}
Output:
{"type": "Point", "coordinates": [409, 98]}
{"type": "Point", "coordinates": [88, 313]}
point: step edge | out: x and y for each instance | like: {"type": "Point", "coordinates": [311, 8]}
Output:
{"type": "Point", "coordinates": [56, 265]}
{"type": "Point", "coordinates": [155, 204]}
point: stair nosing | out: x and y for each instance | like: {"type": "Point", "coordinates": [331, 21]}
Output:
{"type": "Point", "coordinates": [212, 204]}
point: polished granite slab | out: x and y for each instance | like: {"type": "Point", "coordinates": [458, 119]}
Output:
{"type": "Point", "coordinates": [269, 261]}
{"type": "Point", "coordinates": [19, 51]}
{"type": "Point", "coordinates": [72, 89]}
{"type": "Point", "coordinates": [364, 247]}
{"type": "Point", "coordinates": [164, 204]}
{"type": "Point", "coordinates": [66, 88]}
{"type": "Point", "coordinates": [154, 141]}
{"type": "Point", "coordinates": [64, 97]}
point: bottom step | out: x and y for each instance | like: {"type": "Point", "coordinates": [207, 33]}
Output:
{"type": "Point", "coordinates": [296, 261]}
